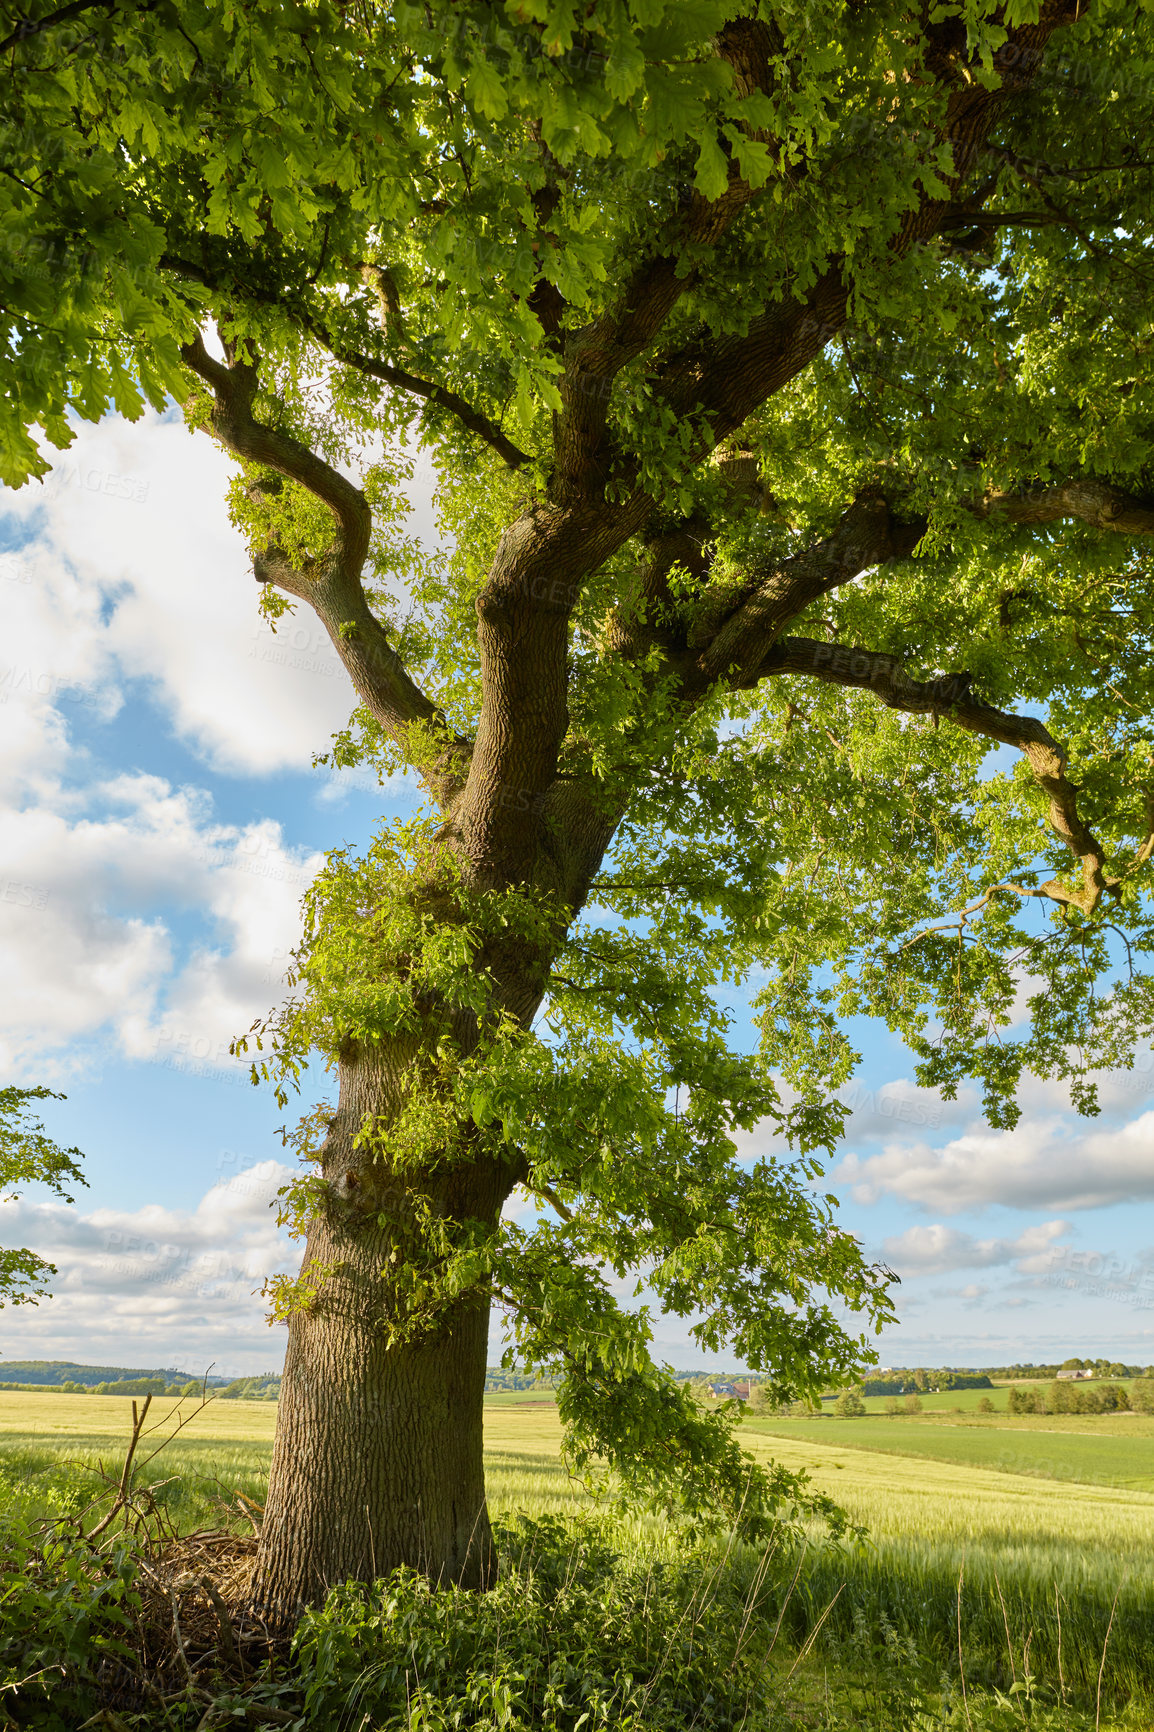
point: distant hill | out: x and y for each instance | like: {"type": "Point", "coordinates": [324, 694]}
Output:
{"type": "Point", "coordinates": [51, 1371]}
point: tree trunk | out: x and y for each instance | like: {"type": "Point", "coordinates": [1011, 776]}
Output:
{"type": "Point", "coordinates": [378, 1454]}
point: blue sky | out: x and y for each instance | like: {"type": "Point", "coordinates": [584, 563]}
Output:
{"type": "Point", "coordinates": [160, 822]}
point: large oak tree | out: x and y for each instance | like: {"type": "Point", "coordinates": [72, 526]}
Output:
{"type": "Point", "coordinates": [786, 371]}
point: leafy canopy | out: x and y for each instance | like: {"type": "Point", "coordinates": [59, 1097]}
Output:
{"type": "Point", "coordinates": [785, 371]}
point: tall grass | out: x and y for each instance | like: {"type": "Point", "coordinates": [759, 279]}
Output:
{"type": "Point", "coordinates": [1040, 1595]}
{"type": "Point", "coordinates": [1035, 1559]}
{"type": "Point", "coordinates": [195, 1483]}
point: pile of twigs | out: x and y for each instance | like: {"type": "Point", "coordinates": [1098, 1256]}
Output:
{"type": "Point", "coordinates": [197, 1646]}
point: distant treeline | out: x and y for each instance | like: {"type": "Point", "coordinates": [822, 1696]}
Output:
{"type": "Point", "coordinates": [923, 1379]}
{"type": "Point", "coordinates": [1100, 1368]}
{"type": "Point", "coordinates": [241, 1389]}
{"type": "Point", "coordinates": [69, 1378]}
{"type": "Point", "coordinates": [1090, 1397]}
{"type": "Point", "coordinates": [34, 1373]}
{"type": "Point", "coordinates": [66, 1378]}
{"type": "Point", "coordinates": [899, 1379]}
{"type": "Point", "coordinates": [508, 1382]}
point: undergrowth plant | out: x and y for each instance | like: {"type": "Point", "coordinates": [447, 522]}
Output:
{"type": "Point", "coordinates": [592, 1623]}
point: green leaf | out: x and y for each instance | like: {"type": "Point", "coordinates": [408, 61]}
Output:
{"type": "Point", "coordinates": [486, 91]}
{"type": "Point", "coordinates": [712, 174]}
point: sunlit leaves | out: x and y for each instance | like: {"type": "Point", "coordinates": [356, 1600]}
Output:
{"type": "Point", "coordinates": [28, 1155]}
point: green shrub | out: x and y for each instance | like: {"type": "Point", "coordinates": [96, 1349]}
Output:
{"type": "Point", "coordinates": [263, 1388]}
{"type": "Point", "coordinates": [849, 1405]}
{"type": "Point", "coordinates": [67, 1614]}
{"type": "Point", "coordinates": [573, 1635]}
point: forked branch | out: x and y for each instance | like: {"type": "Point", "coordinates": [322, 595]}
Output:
{"type": "Point", "coordinates": [123, 1490]}
{"type": "Point", "coordinates": [330, 580]}
{"type": "Point", "coordinates": [234, 385]}
{"type": "Point", "coordinates": [867, 535]}
{"type": "Point", "coordinates": [950, 697]}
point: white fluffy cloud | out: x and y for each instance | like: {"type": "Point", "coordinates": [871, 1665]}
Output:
{"type": "Point", "coordinates": [90, 899]}
{"type": "Point", "coordinates": [878, 1111]}
{"type": "Point", "coordinates": [937, 1250]}
{"type": "Point", "coordinates": [155, 1286]}
{"type": "Point", "coordinates": [133, 572]}
{"type": "Point", "coordinates": [1045, 1162]}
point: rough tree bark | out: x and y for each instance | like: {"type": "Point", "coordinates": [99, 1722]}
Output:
{"type": "Point", "coordinates": [378, 1456]}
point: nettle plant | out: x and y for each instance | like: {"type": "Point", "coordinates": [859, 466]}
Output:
{"type": "Point", "coordinates": [785, 375]}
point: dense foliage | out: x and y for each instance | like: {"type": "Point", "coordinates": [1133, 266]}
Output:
{"type": "Point", "coordinates": [1084, 1398]}
{"type": "Point", "coordinates": [786, 376]}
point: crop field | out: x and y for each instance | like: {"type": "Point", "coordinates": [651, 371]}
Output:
{"type": "Point", "coordinates": [1119, 1452]}
{"type": "Point", "coordinates": [1032, 1547]}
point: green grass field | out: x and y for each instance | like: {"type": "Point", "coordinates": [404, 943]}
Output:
{"type": "Point", "coordinates": [1120, 1453]}
{"type": "Point", "coordinates": [1048, 1524]}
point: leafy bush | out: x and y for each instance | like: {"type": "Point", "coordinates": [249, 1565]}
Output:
{"type": "Point", "coordinates": [899, 1382]}
{"type": "Point", "coordinates": [67, 1616]}
{"type": "Point", "coordinates": [1142, 1395]}
{"type": "Point", "coordinates": [262, 1388]}
{"type": "Point", "coordinates": [849, 1405]}
{"type": "Point", "coordinates": [585, 1630]}
{"type": "Point", "coordinates": [132, 1386]}
{"type": "Point", "coordinates": [573, 1635]}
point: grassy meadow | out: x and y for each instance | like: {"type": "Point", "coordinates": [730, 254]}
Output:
{"type": "Point", "coordinates": [1028, 1544]}
{"type": "Point", "coordinates": [1110, 1449]}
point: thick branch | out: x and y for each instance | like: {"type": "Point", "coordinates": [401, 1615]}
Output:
{"type": "Point", "coordinates": [596, 354]}
{"type": "Point", "coordinates": [723, 381]}
{"type": "Point", "coordinates": [727, 635]}
{"type": "Point", "coordinates": [331, 581]}
{"type": "Point", "coordinates": [1093, 502]}
{"type": "Point", "coordinates": [950, 696]}
{"type": "Point", "coordinates": [867, 535]}
{"type": "Point", "coordinates": [234, 386]}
